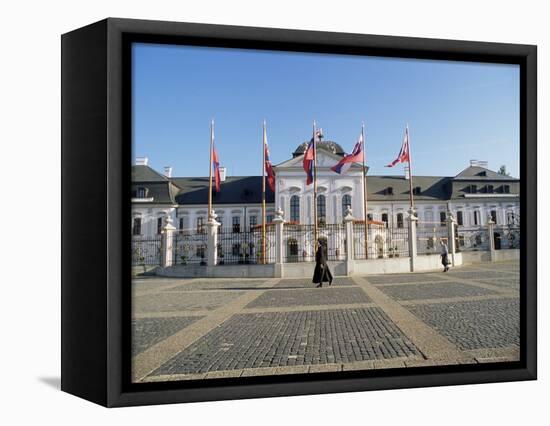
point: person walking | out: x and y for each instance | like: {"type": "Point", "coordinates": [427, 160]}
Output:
{"type": "Point", "coordinates": [444, 256]}
{"type": "Point", "coordinates": [322, 272]}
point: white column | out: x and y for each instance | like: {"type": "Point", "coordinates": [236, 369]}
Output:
{"type": "Point", "coordinates": [279, 221]}
{"type": "Point", "coordinates": [451, 232]}
{"type": "Point", "coordinates": [167, 241]}
{"type": "Point", "coordinates": [413, 219]}
{"type": "Point", "coordinates": [491, 235]}
{"type": "Point", "coordinates": [348, 220]}
{"type": "Point", "coordinates": [212, 243]}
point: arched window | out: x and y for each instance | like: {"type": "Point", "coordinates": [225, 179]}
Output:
{"type": "Point", "coordinates": [321, 209]}
{"type": "Point", "coordinates": [295, 208]}
{"type": "Point", "coordinates": [400, 220]}
{"type": "Point", "coordinates": [346, 203]}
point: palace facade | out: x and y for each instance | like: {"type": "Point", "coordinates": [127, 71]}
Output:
{"type": "Point", "coordinates": [474, 195]}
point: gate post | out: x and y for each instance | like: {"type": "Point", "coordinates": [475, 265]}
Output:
{"type": "Point", "coordinates": [412, 238]}
{"type": "Point", "coordinates": [212, 242]}
{"type": "Point", "coordinates": [451, 233]}
{"type": "Point", "coordinates": [279, 223]}
{"type": "Point", "coordinates": [348, 221]}
{"type": "Point", "coordinates": [491, 235]}
{"type": "Point", "coordinates": [167, 243]}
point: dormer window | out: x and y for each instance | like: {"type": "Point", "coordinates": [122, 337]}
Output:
{"type": "Point", "coordinates": [483, 173]}
{"type": "Point", "coordinates": [490, 189]}
{"type": "Point", "coordinates": [389, 190]}
{"type": "Point", "coordinates": [141, 193]}
{"type": "Point", "coordinates": [417, 190]}
{"type": "Point", "coordinates": [473, 189]}
{"type": "Point", "coordinates": [506, 189]}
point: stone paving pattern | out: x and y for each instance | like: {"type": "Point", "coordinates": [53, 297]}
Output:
{"type": "Point", "coordinates": [148, 331]}
{"type": "Point", "coordinates": [166, 302]}
{"type": "Point", "coordinates": [433, 291]}
{"type": "Point", "coordinates": [294, 338]}
{"type": "Point", "coordinates": [234, 327]}
{"type": "Point", "coordinates": [324, 296]}
{"type": "Point", "coordinates": [306, 283]}
{"type": "Point", "coordinates": [474, 325]}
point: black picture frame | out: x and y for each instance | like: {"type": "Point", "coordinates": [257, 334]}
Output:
{"type": "Point", "coordinates": [96, 141]}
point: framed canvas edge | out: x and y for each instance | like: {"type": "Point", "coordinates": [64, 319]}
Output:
{"type": "Point", "coordinates": [118, 170]}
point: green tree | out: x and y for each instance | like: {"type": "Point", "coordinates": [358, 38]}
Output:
{"type": "Point", "coordinates": [502, 171]}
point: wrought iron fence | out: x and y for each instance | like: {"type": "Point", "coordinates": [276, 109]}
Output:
{"type": "Point", "coordinates": [298, 243]}
{"type": "Point", "coordinates": [146, 250]}
{"type": "Point", "coordinates": [382, 241]}
{"type": "Point", "coordinates": [245, 247]}
{"type": "Point", "coordinates": [333, 239]}
{"type": "Point", "coordinates": [507, 237]}
{"type": "Point", "coordinates": [429, 235]}
{"type": "Point", "coordinates": [190, 247]}
{"type": "Point", "coordinates": [472, 238]}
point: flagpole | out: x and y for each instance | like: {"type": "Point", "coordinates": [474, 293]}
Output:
{"type": "Point", "coordinates": [210, 169]}
{"type": "Point", "coordinates": [314, 190]}
{"type": "Point", "coordinates": [365, 217]}
{"type": "Point", "coordinates": [263, 195]}
{"type": "Point", "coordinates": [410, 169]}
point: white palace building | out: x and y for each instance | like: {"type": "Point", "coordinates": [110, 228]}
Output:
{"type": "Point", "coordinates": [473, 198]}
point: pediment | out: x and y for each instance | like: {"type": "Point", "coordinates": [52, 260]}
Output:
{"type": "Point", "coordinates": [324, 159]}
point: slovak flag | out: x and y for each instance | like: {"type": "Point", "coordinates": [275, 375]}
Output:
{"type": "Point", "coordinates": [356, 156]}
{"type": "Point", "coordinates": [309, 156]}
{"type": "Point", "coordinates": [216, 167]}
{"type": "Point", "coordinates": [404, 155]}
{"type": "Point", "coordinates": [269, 169]}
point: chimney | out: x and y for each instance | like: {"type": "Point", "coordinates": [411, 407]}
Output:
{"type": "Point", "coordinates": [168, 171]}
{"type": "Point", "coordinates": [479, 163]}
{"type": "Point", "coordinates": [142, 161]}
{"type": "Point", "coordinates": [223, 173]}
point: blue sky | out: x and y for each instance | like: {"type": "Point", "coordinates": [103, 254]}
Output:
{"type": "Point", "coordinates": [456, 111]}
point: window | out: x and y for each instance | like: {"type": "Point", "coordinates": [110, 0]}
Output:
{"type": "Point", "coordinates": [236, 250]}
{"type": "Point", "coordinates": [136, 227]}
{"type": "Point", "coordinates": [253, 221]}
{"type": "Point", "coordinates": [200, 252]}
{"type": "Point", "coordinates": [236, 224]}
{"type": "Point", "coordinates": [473, 189]}
{"type": "Point", "coordinates": [459, 218]}
{"type": "Point", "coordinates": [400, 220]}
{"type": "Point", "coordinates": [416, 190]}
{"type": "Point", "coordinates": [369, 216]}
{"type": "Point", "coordinates": [385, 218]}
{"type": "Point", "coordinates": [346, 203]}
{"type": "Point", "coordinates": [476, 217]}
{"type": "Point", "coordinates": [321, 209]}
{"type": "Point", "coordinates": [389, 190]}
{"type": "Point", "coordinates": [142, 193]}
{"type": "Point", "coordinates": [442, 218]}
{"type": "Point", "coordinates": [219, 219]}
{"type": "Point", "coordinates": [269, 218]}
{"type": "Point", "coordinates": [292, 247]}
{"type": "Point", "coordinates": [494, 216]}
{"type": "Point", "coordinates": [506, 189]}
{"type": "Point", "coordinates": [159, 225]}
{"type": "Point", "coordinates": [490, 189]}
{"type": "Point", "coordinates": [295, 208]}
{"type": "Point", "coordinates": [181, 223]}
{"type": "Point", "coordinates": [200, 225]}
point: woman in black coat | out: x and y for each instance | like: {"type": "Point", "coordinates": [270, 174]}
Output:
{"type": "Point", "coordinates": [322, 271]}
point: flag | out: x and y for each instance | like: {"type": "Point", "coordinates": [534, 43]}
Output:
{"type": "Point", "coordinates": [404, 154]}
{"type": "Point", "coordinates": [309, 155]}
{"type": "Point", "coordinates": [269, 169]}
{"type": "Point", "coordinates": [356, 156]}
{"type": "Point", "coordinates": [216, 167]}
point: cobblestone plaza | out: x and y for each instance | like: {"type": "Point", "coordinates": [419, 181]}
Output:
{"type": "Point", "coordinates": [199, 329]}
